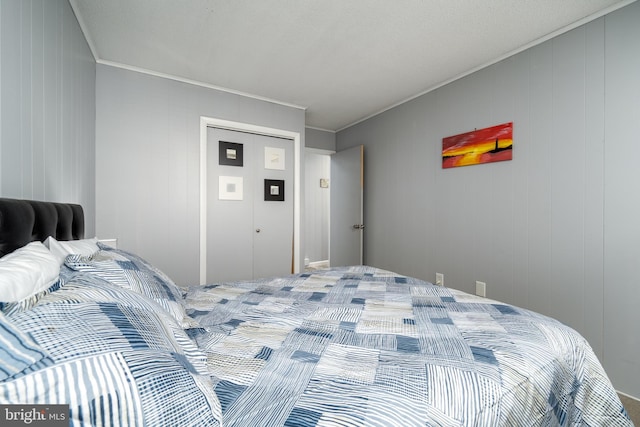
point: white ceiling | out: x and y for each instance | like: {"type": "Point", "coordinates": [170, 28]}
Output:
{"type": "Point", "coordinates": [341, 60]}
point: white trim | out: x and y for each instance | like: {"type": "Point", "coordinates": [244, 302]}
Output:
{"type": "Point", "coordinates": [206, 122]}
{"type": "Point", "coordinates": [195, 83]}
{"type": "Point", "coordinates": [320, 151]}
{"type": "Point", "coordinates": [628, 396]}
{"type": "Point", "coordinates": [320, 129]}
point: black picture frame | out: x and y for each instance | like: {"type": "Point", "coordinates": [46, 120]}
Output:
{"type": "Point", "coordinates": [230, 154]}
{"type": "Point", "coordinates": [274, 190]}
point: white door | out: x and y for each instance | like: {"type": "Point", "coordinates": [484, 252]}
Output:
{"type": "Point", "coordinates": [347, 190]}
{"type": "Point", "coordinates": [249, 206]}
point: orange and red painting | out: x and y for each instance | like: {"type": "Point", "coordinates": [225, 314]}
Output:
{"type": "Point", "coordinates": [492, 144]}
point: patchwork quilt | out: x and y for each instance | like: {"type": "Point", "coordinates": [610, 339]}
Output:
{"type": "Point", "coordinates": [361, 346]}
{"type": "Point", "coordinates": [115, 357]}
{"type": "Point", "coordinates": [116, 340]}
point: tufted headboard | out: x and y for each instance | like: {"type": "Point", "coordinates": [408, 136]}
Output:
{"type": "Point", "coordinates": [24, 221]}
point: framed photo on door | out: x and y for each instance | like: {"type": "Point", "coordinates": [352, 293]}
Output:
{"type": "Point", "coordinates": [274, 190]}
{"type": "Point", "coordinates": [230, 154]}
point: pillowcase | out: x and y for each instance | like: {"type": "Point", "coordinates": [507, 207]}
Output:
{"type": "Point", "coordinates": [145, 265]}
{"type": "Point", "coordinates": [130, 273]}
{"type": "Point", "coordinates": [27, 271]}
{"type": "Point", "coordinates": [60, 249]}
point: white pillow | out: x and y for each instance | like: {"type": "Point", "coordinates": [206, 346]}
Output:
{"type": "Point", "coordinates": [27, 271]}
{"type": "Point", "coordinates": [60, 249]}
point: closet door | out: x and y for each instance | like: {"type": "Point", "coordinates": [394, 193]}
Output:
{"type": "Point", "coordinates": [273, 218]}
{"type": "Point", "coordinates": [249, 205]}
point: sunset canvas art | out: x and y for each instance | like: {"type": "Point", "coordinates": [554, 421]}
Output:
{"type": "Point", "coordinates": [492, 144]}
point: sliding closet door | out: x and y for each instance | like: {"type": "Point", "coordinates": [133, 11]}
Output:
{"type": "Point", "coordinates": [249, 205]}
{"type": "Point", "coordinates": [273, 217]}
{"type": "Point", "coordinates": [230, 211]}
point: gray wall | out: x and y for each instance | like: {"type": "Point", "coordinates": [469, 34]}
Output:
{"type": "Point", "coordinates": [148, 154]}
{"type": "Point", "coordinates": [556, 229]}
{"type": "Point", "coordinates": [47, 110]}
{"type": "Point", "coordinates": [622, 198]}
{"type": "Point", "coordinates": [321, 139]}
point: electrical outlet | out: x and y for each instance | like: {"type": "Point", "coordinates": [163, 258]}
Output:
{"type": "Point", "coordinates": [439, 279]}
{"type": "Point", "coordinates": [481, 289]}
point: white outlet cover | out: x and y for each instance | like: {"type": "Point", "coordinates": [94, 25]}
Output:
{"type": "Point", "coordinates": [481, 289]}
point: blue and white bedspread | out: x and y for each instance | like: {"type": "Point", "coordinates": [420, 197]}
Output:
{"type": "Point", "coordinates": [114, 356]}
{"type": "Point", "coordinates": [361, 346]}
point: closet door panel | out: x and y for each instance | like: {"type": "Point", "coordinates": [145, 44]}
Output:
{"type": "Point", "coordinates": [273, 245]}
{"type": "Point", "coordinates": [229, 221]}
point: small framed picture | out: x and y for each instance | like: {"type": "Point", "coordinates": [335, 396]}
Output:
{"type": "Point", "coordinates": [230, 154]}
{"type": "Point", "coordinates": [274, 158]}
{"type": "Point", "coordinates": [230, 188]}
{"type": "Point", "coordinates": [274, 190]}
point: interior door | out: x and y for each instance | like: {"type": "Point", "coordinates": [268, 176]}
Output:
{"type": "Point", "coordinates": [249, 206]}
{"type": "Point", "coordinates": [347, 191]}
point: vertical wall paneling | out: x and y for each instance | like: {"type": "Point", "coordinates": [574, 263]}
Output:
{"type": "Point", "coordinates": [622, 199]}
{"type": "Point", "coordinates": [555, 229]}
{"type": "Point", "coordinates": [10, 87]}
{"type": "Point", "coordinates": [566, 166]}
{"type": "Point", "coordinates": [26, 89]}
{"type": "Point", "coordinates": [37, 99]}
{"type": "Point", "coordinates": [593, 183]}
{"type": "Point", "coordinates": [47, 105]}
{"type": "Point", "coordinates": [317, 166]}
{"type": "Point", "coordinates": [540, 114]}
{"type": "Point", "coordinates": [320, 144]}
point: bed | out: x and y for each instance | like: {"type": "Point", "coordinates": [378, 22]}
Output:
{"type": "Point", "coordinates": [111, 336]}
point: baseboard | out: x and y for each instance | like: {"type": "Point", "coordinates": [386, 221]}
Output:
{"type": "Point", "coordinates": [628, 396]}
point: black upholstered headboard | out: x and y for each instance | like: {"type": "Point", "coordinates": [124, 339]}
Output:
{"type": "Point", "coordinates": [24, 221]}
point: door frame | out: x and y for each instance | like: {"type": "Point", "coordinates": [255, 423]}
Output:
{"type": "Point", "coordinates": [207, 122]}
